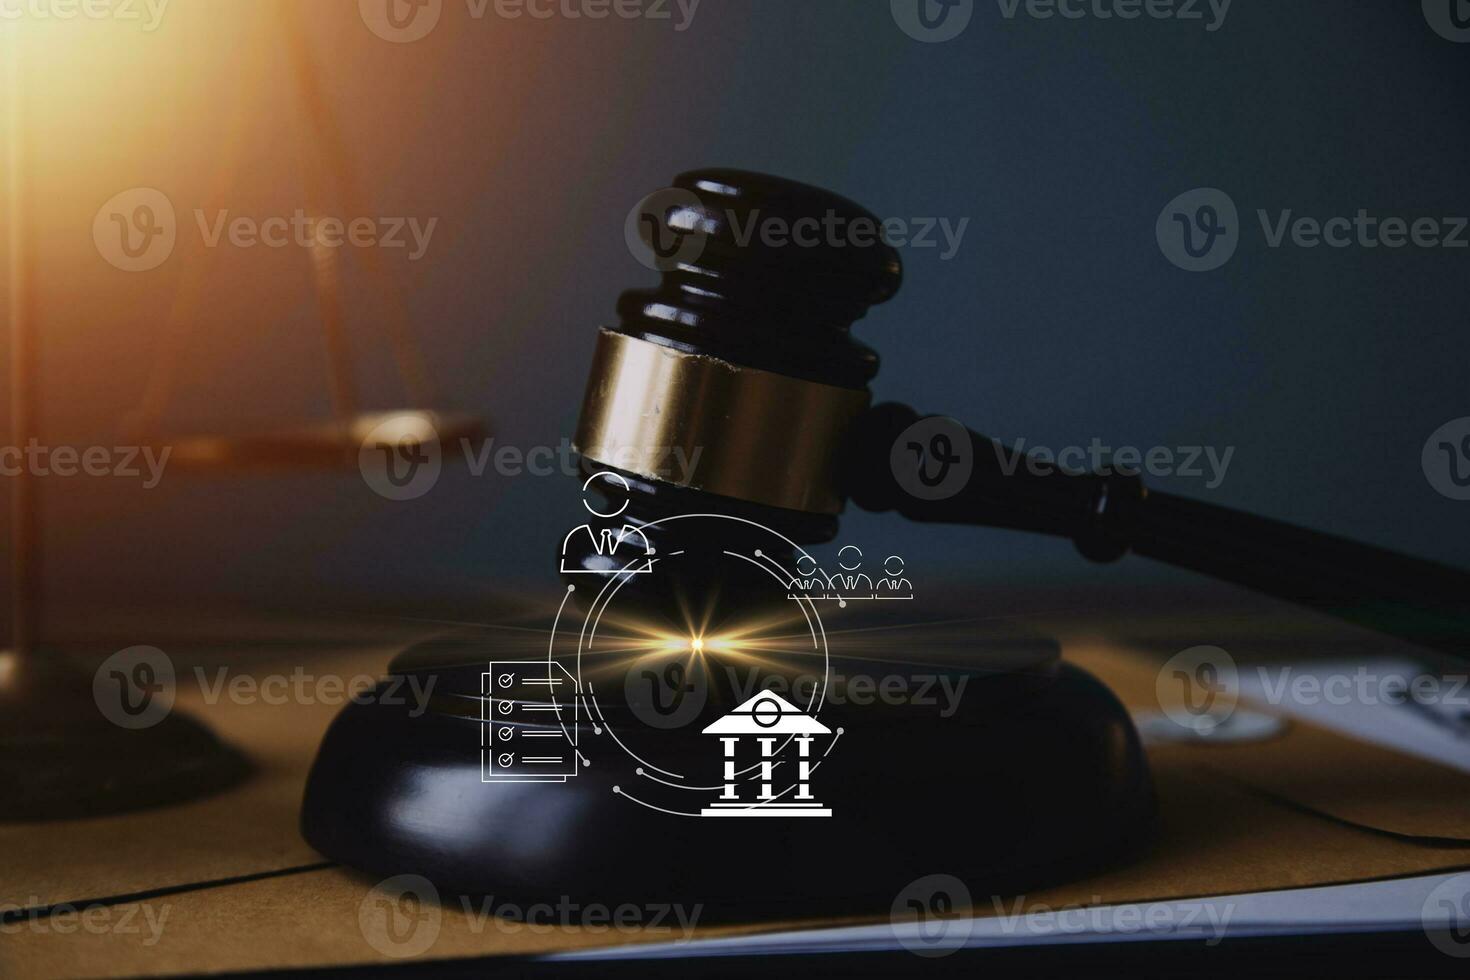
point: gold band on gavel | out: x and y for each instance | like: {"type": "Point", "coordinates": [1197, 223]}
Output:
{"type": "Point", "coordinates": [700, 422]}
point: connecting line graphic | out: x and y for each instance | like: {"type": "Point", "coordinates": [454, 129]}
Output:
{"type": "Point", "coordinates": [625, 748]}
{"type": "Point", "coordinates": [749, 779]}
{"type": "Point", "coordinates": [590, 701]}
{"type": "Point", "coordinates": [640, 771]}
{"type": "Point", "coordinates": [586, 696]}
{"type": "Point", "coordinates": [550, 668]}
{"type": "Point", "coordinates": [619, 791]}
{"type": "Point", "coordinates": [813, 705]}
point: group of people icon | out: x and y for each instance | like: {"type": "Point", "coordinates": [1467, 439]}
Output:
{"type": "Point", "coordinates": [850, 582]}
{"type": "Point", "coordinates": [626, 549]}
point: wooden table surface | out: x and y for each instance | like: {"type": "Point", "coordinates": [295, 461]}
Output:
{"type": "Point", "coordinates": [227, 884]}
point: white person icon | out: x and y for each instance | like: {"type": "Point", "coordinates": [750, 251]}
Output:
{"type": "Point", "coordinates": [809, 579]}
{"type": "Point", "coordinates": [894, 585]}
{"type": "Point", "coordinates": [618, 549]}
{"type": "Point", "coordinates": [851, 581]}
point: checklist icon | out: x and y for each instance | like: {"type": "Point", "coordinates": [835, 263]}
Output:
{"type": "Point", "coordinates": [529, 712]}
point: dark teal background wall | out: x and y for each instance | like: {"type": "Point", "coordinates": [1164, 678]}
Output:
{"type": "Point", "coordinates": [1058, 320]}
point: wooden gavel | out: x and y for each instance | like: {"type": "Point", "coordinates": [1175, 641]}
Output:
{"type": "Point", "coordinates": [742, 361]}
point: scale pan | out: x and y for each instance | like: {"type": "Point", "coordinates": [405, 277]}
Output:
{"type": "Point", "coordinates": [330, 445]}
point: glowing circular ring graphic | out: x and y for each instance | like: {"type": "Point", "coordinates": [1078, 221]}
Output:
{"type": "Point", "coordinates": [615, 583]}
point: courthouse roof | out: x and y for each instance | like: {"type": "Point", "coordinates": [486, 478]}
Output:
{"type": "Point", "coordinates": [767, 714]}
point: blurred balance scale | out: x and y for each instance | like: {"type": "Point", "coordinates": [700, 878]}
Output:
{"type": "Point", "coordinates": [74, 743]}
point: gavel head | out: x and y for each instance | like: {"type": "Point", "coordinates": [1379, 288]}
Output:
{"type": "Point", "coordinates": [729, 387]}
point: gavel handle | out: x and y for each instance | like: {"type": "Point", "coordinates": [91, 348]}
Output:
{"type": "Point", "coordinates": [1109, 515]}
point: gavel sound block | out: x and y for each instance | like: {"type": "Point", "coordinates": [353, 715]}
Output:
{"type": "Point", "coordinates": [743, 353]}
{"type": "Point", "coordinates": [742, 358]}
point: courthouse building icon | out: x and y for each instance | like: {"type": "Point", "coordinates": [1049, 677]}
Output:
{"type": "Point", "coordinates": [766, 720]}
